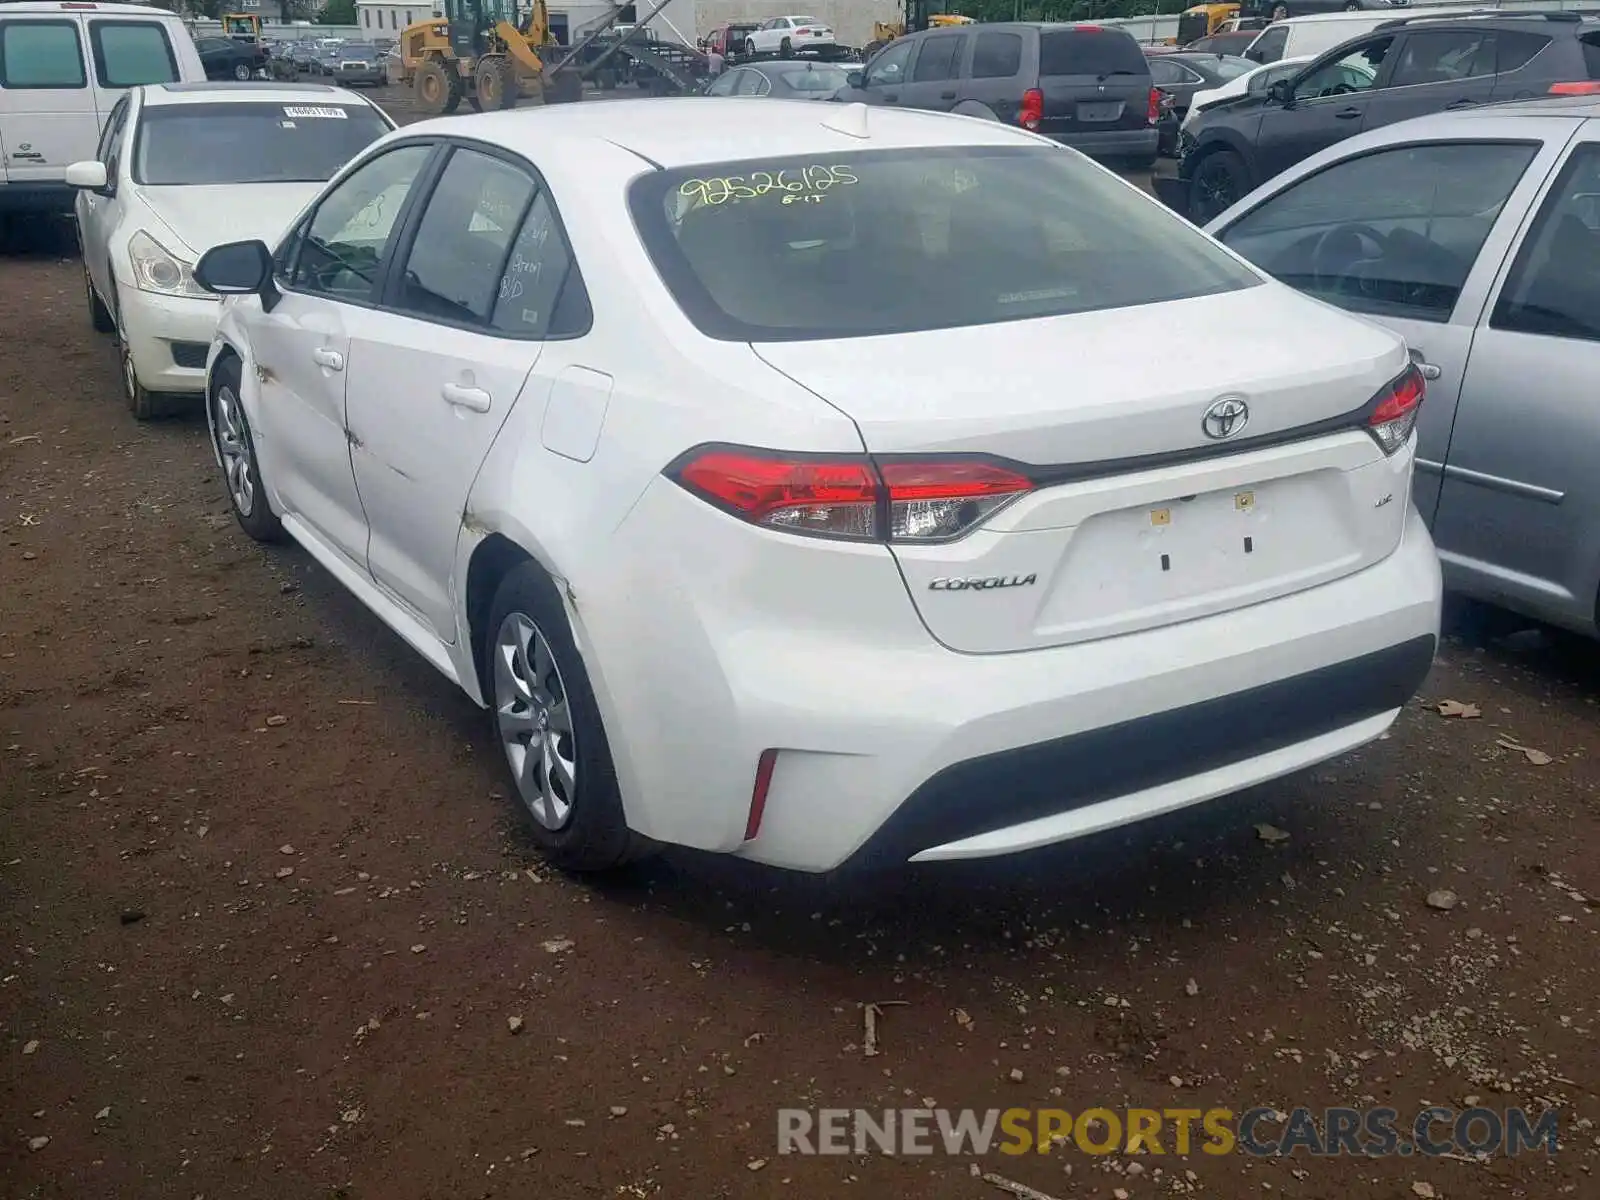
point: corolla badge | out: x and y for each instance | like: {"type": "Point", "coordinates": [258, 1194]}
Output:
{"type": "Point", "coordinates": [1227, 416]}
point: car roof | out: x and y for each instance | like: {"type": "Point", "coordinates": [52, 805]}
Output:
{"type": "Point", "coordinates": [688, 130]}
{"type": "Point", "coordinates": [163, 95]}
{"type": "Point", "coordinates": [38, 8]}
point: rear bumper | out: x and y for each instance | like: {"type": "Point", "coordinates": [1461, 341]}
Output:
{"type": "Point", "coordinates": [45, 197]}
{"type": "Point", "coordinates": [891, 747]}
{"type": "Point", "coordinates": [362, 78]}
{"type": "Point", "coordinates": [1114, 143]}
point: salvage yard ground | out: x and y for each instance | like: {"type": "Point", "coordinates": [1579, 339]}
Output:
{"type": "Point", "coordinates": [271, 928]}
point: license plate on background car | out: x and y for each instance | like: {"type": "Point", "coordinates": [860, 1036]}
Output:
{"type": "Point", "coordinates": [1100, 110]}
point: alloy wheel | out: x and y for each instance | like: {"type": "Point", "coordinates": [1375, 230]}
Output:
{"type": "Point", "coordinates": [233, 445]}
{"type": "Point", "coordinates": [535, 721]}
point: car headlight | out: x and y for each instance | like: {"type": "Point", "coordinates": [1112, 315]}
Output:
{"type": "Point", "coordinates": [157, 269]}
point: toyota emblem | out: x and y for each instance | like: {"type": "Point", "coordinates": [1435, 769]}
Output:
{"type": "Point", "coordinates": [1227, 416]}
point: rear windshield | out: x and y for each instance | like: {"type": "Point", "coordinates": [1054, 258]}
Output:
{"type": "Point", "coordinates": [250, 143]}
{"type": "Point", "coordinates": [1090, 52]}
{"type": "Point", "coordinates": [815, 78]}
{"type": "Point", "coordinates": [896, 241]}
{"type": "Point", "coordinates": [1231, 67]}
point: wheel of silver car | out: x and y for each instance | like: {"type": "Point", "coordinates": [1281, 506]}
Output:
{"type": "Point", "coordinates": [536, 732]}
{"type": "Point", "coordinates": [241, 474]}
{"type": "Point", "coordinates": [241, 72]}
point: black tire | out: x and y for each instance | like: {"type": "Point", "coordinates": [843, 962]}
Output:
{"type": "Point", "coordinates": [1218, 180]}
{"type": "Point", "coordinates": [1353, 6]}
{"type": "Point", "coordinates": [786, 49]}
{"type": "Point", "coordinates": [255, 516]}
{"type": "Point", "coordinates": [99, 315]}
{"type": "Point", "coordinates": [595, 835]}
{"type": "Point", "coordinates": [241, 72]}
{"type": "Point", "coordinates": [144, 404]}
{"type": "Point", "coordinates": [1280, 12]}
{"type": "Point", "coordinates": [497, 84]}
{"type": "Point", "coordinates": [750, 47]}
{"type": "Point", "coordinates": [437, 89]}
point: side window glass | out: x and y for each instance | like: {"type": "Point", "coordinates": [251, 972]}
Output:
{"type": "Point", "coordinates": [1391, 234]}
{"type": "Point", "coordinates": [459, 256]}
{"type": "Point", "coordinates": [535, 277]}
{"type": "Point", "coordinates": [725, 85]}
{"type": "Point", "coordinates": [1444, 56]}
{"type": "Point", "coordinates": [1164, 72]}
{"type": "Point", "coordinates": [997, 56]}
{"type": "Point", "coordinates": [1554, 285]}
{"type": "Point", "coordinates": [130, 53]}
{"type": "Point", "coordinates": [1353, 71]}
{"type": "Point", "coordinates": [1269, 46]}
{"type": "Point", "coordinates": [40, 54]}
{"type": "Point", "coordinates": [888, 67]}
{"type": "Point", "coordinates": [937, 60]}
{"type": "Point", "coordinates": [110, 134]}
{"type": "Point", "coordinates": [1514, 50]}
{"type": "Point", "coordinates": [749, 84]}
{"type": "Point", "coordinates": [347, 236]}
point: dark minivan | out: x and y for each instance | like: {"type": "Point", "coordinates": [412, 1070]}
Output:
{"type": "Point", "coordinates": [1086, 86]}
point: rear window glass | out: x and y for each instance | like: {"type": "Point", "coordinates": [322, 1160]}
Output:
{"type": "Point", "coordinates": [1591, 54]}
{"type": "Point", "coordinates": [895, 241]}
{"type": "Point", "coordinates": [814, 78]}
{"type": "Point", "coordinates": [40, 54]}
{"type": "Point", "coordinates": [1514, 50]}
{"type": "Point", "coordinates": [130, 53]}
{"type": "Point", "coordinates": [997, 56]}
{"type": "Point", "coordinates": [1090, 52]}
{"type": "Point", "coordinates": [186, 144]}
{"type": "Point", "coordinates": [1231, 67]}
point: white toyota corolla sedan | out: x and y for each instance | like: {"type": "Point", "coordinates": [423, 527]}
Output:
{"type": "Point", "coordinates": [827, 485]}
{"type": "Point", "coordinates": [180, 168]}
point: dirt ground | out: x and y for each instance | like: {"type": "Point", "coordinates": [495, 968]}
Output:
{"type": "Point", "coordinates": [267, 909]}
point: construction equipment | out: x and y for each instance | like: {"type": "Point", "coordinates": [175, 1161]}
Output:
{"type": "Point", "coordinates": [241, 27]}
{"type": "Point", "coordinates": [491, 53]}
{"type": "Point", "coordinates": [1203, 20]}
{"type": "Point", "coordinates": [486, 51]}
{"type": "Point", "coordinates": [917, 19]}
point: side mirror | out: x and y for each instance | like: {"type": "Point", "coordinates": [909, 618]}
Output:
{"type": "Point", "coordinates": [237, 269]}
{"type": "Point", "coordinates": [1282, 92]}
{"type": "Point", "coordinates": [856, 79]}
{"type": "Point", "coordinates": [88, 176]}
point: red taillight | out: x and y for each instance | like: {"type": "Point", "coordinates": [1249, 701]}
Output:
{"type": "Point", "coordinates": [1395, 414]}
{"type": "Point", "coordinates": [901, 500]}
{"type": "Point", "coordinates": [1585, 88]}
{"type": "Point", "coordinates": [1153, 109]}
{"type": "Point", "coordinates": [1089, 28]}
{"type": "Point", "coordinates": [758, 794]}
{"type": "Point", "coordinates": [1032, 111]}
{"type": "Point", "coordinates": [802, 32]}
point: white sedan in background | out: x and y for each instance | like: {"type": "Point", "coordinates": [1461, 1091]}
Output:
{"type": "Point", "coordinates": [180, 168]}
{"type": "Point", "coordinates": [755, 534]}
{"type": "Point", "coordinates": [788, 35]}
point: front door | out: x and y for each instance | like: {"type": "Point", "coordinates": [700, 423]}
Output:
{"type": "Point", "coordinates": [1330, 103]}
{"type": "Point", "coordinates": [885, 75]}
{"type": "Point", "coordinates": [936, 75]}
{"type": "Point", "coordinates": [434, 376]}
{"type": "Point", "coordinates": [331, 272]}
{"type": "Point", "coordinates": [48, 119]}
{"type": "Point", "coordinates": [1519, 512]}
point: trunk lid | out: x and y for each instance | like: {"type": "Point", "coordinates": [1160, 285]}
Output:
{"type": "Point", "coordinates": [1092, 79]}
{"type": "Point", "coordinates": [1140, 519]}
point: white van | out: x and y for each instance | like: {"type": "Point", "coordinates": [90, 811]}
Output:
{"type": "Point", "coordinates": [1298, 37]}
{"type": "Point", "coordinates": [62, 67]}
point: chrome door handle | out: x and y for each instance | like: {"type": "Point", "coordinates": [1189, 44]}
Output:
{"type": "Point", "coordinates": [331, 359]}
{"type": "Point", "coordinates": [1428, 369]}
{"type": "Point", "coordinates": [460, 396]}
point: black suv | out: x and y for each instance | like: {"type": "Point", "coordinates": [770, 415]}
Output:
{"type": "Point", "coordinates": [1408, 67]}
{"type": "Point", "coordinates": [1086, 86]}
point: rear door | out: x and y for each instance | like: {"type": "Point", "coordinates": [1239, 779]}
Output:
{"type": "Point", "coordinates": [935, 75]}
{"type": "Point", "coordinates": [1330, 104]}
{"type": "Point", "coordinates": [1519, 512]}
{"type": "Point", "coordinates": [1093, 80]}
{"type": "Point", "coordinates": [1435, 70]}
{"type": "Point", "coordinates": [47, 111]}
{"type": "Point", "coordinates": [1446, 213]}
{"type": "Point", "coordinates": [993, 77]}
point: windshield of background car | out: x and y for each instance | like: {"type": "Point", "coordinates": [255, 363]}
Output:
{"type": "Point", "coordinates": [814, 79]}
{"type": "Point", "coordinates": [189, 144]}
{"type": "Point", "coordinates": [897, 241]}
{"type": "Point", "coordinates": [1090, 51]}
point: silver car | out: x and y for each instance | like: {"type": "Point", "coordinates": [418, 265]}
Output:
{"type": "Point", "coordinates": [1476, 236]}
